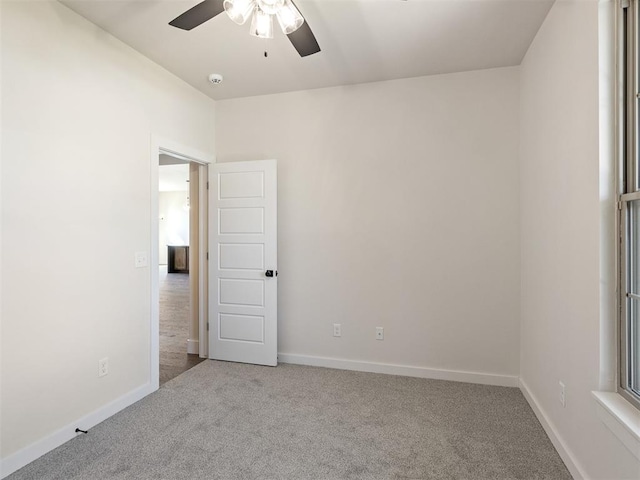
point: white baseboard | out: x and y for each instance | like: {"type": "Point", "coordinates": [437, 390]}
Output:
{"type": "Point", "coordinates": [193, 347]}
{"type": "Point", "coordinates": [404, 370]}
{"type": "Point", "coordinates": [30, 453]}
{"type": "Point", "coordinates": [577, 472]}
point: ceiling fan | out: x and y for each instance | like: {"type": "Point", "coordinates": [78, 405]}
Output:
{"type": "Point", "coordinates": [289, 17]}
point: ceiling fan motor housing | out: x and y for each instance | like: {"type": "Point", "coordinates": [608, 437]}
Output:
{"type": "Point", "coordinates": [270, 6]}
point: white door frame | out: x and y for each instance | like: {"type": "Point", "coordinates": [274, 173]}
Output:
{"type": "Point", "coordinates": [164, 145]}
{"type": "Point", "coordinates": [203, 284]}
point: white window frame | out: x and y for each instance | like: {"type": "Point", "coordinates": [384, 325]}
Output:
{"type": "Point", "coordinates": [629, 190]}
{"type": "Point", "coordinates": [615, 410]}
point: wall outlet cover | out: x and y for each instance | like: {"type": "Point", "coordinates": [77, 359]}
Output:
{"type": "Point", "coordinates": [103, 366]}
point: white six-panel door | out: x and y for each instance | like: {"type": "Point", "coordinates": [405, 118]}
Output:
{"type": "Point", "coordinates": [243, 308]}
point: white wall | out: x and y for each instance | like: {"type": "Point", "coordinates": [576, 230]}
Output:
{"type": "Point", "coordinates": [398, 207]}
{"type": "Point", "coordinates": [560, 215]}
{"type": "Point", "coordinates": [173, 228]}
{"type": "Point", "coordinates": [78, 111]}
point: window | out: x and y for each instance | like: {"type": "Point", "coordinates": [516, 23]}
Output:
{"type": "Point", "coordinates": [630, 210]}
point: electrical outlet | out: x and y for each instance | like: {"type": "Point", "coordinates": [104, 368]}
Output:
{"type": "Point", "coordinates": [103, 366]}
{"type": "Point", "coordinates": [337, 330]}
{"type": "Point", "coordinates": [563, 400]}
{"type": "Point", "coordinates": [379, 333]}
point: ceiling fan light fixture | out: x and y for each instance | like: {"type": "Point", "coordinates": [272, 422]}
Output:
{"type": "Point", "coordinates": [239, 10]}
{"type": "Point", "coordinates": [289, 17]}
{"type": "Point", "coordinates": [261, 24]}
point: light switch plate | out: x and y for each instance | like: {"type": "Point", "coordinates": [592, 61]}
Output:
{"type": "Point", "coordinates": [141, 260]}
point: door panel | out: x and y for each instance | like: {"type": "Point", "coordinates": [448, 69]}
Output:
{"type": "Point", "coordinates": [241, 256]}
{"type": "Point", "coordinates": [241, 220]}
{"type": "Point", "coordinates": [243, 310]}
{"type": "Point", "coordinates": [241, 292]}
{"type": "Point", "coordinates": [241, 185]}
{"type": "Point", "coordinates": [246, 328]}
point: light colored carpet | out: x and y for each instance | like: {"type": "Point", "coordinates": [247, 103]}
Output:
{"type": "Point", "coordinates": [234, 421]}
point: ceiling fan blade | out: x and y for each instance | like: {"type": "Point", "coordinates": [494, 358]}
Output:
{"type": "Point", "coordinates": [304, 41]}
{"type": "Point", "coordinates": [198, 15]}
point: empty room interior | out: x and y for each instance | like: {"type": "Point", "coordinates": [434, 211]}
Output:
{"type": "Point", "coordinates": [409, 239]}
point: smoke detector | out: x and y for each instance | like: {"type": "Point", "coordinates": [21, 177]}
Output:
{"type": "Point", "coordinates": [215, 78]}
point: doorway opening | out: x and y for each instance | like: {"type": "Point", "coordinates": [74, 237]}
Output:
{"type": "Point", "coordinates": [179, 280]}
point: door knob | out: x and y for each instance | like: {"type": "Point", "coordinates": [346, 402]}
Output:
{"type": "Point", "coordinates": [269, 273]}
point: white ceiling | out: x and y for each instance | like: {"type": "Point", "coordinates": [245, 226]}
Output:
{"type": "Point", "coordinates": [361, 40]}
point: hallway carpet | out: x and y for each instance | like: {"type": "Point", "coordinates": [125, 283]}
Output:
{"type": "Point", "coordinates": [236, 421]}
